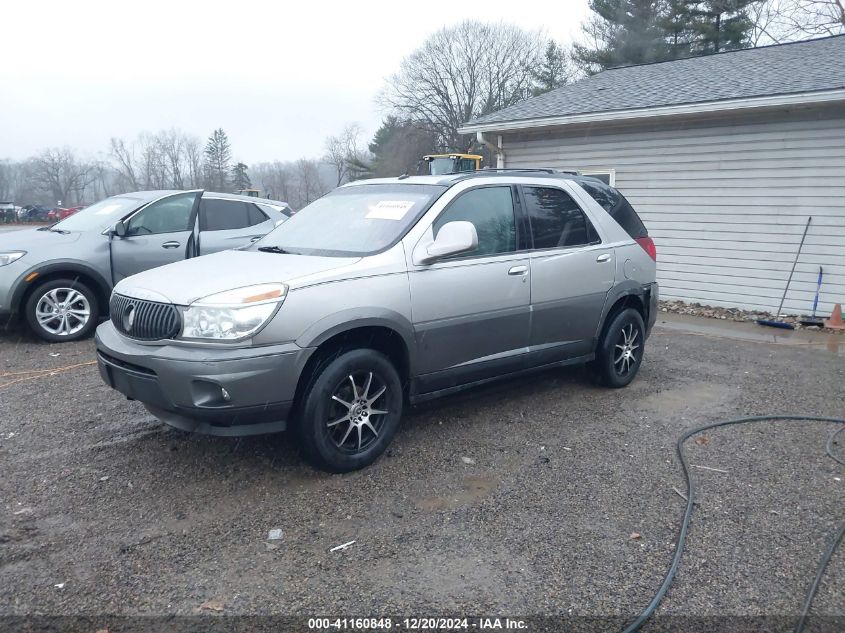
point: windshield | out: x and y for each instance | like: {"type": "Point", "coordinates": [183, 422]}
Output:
{"type": "Point", "coordinates": [440, 166]}
{"type": "Point", "coordinates": [100, 216]}
{"type": "Point", "coordinates": [358, 220]}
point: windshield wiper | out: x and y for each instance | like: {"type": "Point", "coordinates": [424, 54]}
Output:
{"type": "Point", "coordinates": [274, 249]}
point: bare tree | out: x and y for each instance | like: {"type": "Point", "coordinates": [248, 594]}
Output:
{"type": "Point", "coordinates": [62, 174]}
{"type": "Point", "coordinates": [274, 179]}
{"type": "Point", "coordinates": [460, 72]}
{"type": "Point", "coordinates": [777, 21]}
{"type": "Point", "coordinates": [193, 160]}
{"type": "Point", "coordinates": [170, 159]}
{"type": "Point", "coordinates": [124, 157]}
{"type": "Point", "coordinates": [171, 145]}
{"type": "Point", "coordinates": [344, 154]}
{"type": "Point", "coordinates": [309, 185]}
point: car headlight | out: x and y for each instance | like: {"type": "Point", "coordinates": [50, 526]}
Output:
{"type": "Point", "coordinates": [11, 256]}
{"type": "Point", "coordinates": [232, 315]}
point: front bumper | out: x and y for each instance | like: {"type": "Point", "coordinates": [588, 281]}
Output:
{"type": "Point", "coordinates": [212, 390]}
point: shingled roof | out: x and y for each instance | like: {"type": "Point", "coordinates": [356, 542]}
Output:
{"type": "Point", "coordinates": [784, 69]}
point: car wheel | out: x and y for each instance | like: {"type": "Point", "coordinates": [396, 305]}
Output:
{"type": "Point", "coordinates": [620, 350]}
{"type": "Point", "coordinates": [62, 310]}
{"type": "Point", "coordinates": [350, 410]}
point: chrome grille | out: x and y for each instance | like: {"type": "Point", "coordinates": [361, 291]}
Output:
{"type": "Point", "coordinates": [144, 320]}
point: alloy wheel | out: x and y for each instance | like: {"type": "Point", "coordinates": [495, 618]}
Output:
{"type": "Point", "coordinates": [63, 311]}
{"type": "Point", "coordinates": [355, 415]}
{"type": "Point", "coordinates": [625, 354]}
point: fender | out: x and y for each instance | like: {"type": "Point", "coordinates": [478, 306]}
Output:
{"type": "Point", "coordinates": [626, 288]}
{"type": "Point", "coordinates": [20, 285]}
{"type": "Point", "coordinates": [353, 318]}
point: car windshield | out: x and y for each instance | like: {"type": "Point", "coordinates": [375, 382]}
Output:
{"type": "Point", "coordinates": [101, 215]}
{"type": "Point", "coordinates": [440, 166]}
{"type": "Point", "coordinates": [352, 221]}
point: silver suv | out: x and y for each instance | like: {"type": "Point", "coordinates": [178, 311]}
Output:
{"type": "Point", "coordinates": [382, 293]}
{"type": "Point", "coordinates": [59, 277]}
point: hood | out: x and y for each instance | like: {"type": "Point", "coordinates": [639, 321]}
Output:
{"type": "Point", "coordinates": [39, 242]}
{"type": "Point", "coordinates": [184, 282]}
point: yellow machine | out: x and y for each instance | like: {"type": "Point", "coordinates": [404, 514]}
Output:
{"type": "Point", "coordinates": [438, 164]}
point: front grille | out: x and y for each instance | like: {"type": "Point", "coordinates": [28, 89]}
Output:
{"type": "Point", "coordinates": [144, 320]}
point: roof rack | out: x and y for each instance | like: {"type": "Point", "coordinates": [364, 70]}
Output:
{"type": "Point", "coordinates": [494, 171]}
{"type": "Point", "coordinates": [546, 170]}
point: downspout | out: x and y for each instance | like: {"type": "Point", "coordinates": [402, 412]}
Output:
{"type": "Point", "coordinates": [496, 149]}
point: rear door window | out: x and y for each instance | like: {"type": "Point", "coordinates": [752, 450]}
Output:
{"type": "Point", "coordinates": [256, 215]}
{"type": "Point", "coordinates": [556, 219]}
{"type": "Point", "coordinates": [228, 215]}
{"type": "Point", "coordinates": [617, 206]}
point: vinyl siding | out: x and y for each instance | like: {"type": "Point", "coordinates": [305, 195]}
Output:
{"type": "Point", "coordinates": [725, 199]}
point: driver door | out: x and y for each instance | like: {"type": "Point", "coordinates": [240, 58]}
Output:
{"type": "Point", "coordinates": [160, 233]}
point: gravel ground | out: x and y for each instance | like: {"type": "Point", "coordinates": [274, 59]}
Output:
{"type": "Point", "coordinates": [540, 496]}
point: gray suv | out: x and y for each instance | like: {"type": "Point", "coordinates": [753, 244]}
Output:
{"type": "Point", "coordinates": [381, 293]}
{"type": "Point", "coordinates": [59, 277]}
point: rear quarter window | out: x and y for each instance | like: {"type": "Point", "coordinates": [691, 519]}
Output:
{"type": "Point", "coordinates": [616, 206]}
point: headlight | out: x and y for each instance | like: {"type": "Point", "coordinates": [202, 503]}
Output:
{"type": "Point", "coordinates": [232, 315]}
{"type": "Point", "coordinates": [12, 256]}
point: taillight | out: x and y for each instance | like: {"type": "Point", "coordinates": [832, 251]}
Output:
{"type": "Point", "coordinates": [648, 246]}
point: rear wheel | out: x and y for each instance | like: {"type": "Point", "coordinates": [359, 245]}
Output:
{"type": "Point", "coordinates": [62, 310]}
{"type": "Point", "coordinates": [620, 350]}
{"type": "Point", "coordinates": [350, 410]}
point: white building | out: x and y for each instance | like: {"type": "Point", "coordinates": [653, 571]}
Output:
{"type": "Point", "coordinates": [724, 157]}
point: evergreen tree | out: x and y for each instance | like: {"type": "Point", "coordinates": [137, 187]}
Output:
{"type": "Point", "coordinates": [553, 71]}
{"type": "Point", "coordinates": [240, 177]}
{"type": "Point", "coordinates": [218, 156]}
{"type": "Point", "coordinates": [624, 32]}
{"type": "Point", "coordinates": [628, 32]}
{"type": "Point", "coordinates": [398, 146]}
{"type": "Point", "coordinates": [721, 25]}
{"type": "Point", "coordinates": [677, 21]}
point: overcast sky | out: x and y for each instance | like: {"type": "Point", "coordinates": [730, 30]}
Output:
{"type": "Point", "coordinates": [277, 76]}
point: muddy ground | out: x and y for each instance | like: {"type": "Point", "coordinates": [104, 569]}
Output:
{"type": "Point", "coordinates": [541, 496]}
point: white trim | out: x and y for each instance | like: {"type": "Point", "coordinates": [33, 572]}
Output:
{"type": "Point", "coordinates": [802, 98]}
{"type": "Point", "coordinates": [611, 173]}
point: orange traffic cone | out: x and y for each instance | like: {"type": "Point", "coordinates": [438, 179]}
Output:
{"type": "Point", "coordinates": [835, 321]}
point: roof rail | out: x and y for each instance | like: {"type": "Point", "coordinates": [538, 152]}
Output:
{"type": "Point", "coordinates": [491, 171]}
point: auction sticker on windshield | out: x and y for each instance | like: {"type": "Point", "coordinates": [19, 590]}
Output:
{"type": "Point", "coordinates": [389, 210]}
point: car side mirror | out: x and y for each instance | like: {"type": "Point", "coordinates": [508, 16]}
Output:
{"type": "Point", "coordinates": [453, 238]}
{"type": "Point", "coordinates": [120, 229]}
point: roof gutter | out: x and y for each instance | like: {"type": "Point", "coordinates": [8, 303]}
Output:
{"type": "Point", "coordinates": [801, 98]}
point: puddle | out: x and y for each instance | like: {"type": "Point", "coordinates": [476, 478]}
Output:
{"type": "Point", "coordinates": [693, 396]}
{"type": "Point", "coordinates": [474, 487]}
{"type": "Point", "coordinates": [751, 332]}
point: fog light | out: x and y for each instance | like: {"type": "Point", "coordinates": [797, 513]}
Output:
{"type": "Point", "coordinates": [225, 394]}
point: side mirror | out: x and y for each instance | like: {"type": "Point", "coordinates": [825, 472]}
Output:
{"type": "Point", "coordinates": [120, 229]}
{"type": "Point", "coordinates": [452, 239]}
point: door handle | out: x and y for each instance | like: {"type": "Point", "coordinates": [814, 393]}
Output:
{"type": "Point", "coordinates": [255, 239]}
{"type": "Point", "coordinates": [603, 258]}
{"type": "Point", "coordinates": [518, 270]}
{"type": "Point", "coordinates": [170, 245]}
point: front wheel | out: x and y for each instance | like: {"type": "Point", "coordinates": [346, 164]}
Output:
{"type": "Point", "coordinates": [350, 410]}
{"type": "Point", "coordinates": [62, 310]}
{"type": "Point", "coordinates": [620, 351]}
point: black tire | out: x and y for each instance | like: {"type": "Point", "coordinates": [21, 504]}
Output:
{"type": "Point", "coordinates": [611, 367]}
{"type": "Point", "coordinates": [326, 438]}
{"type": "Point", "coordinates": [53, 331]}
